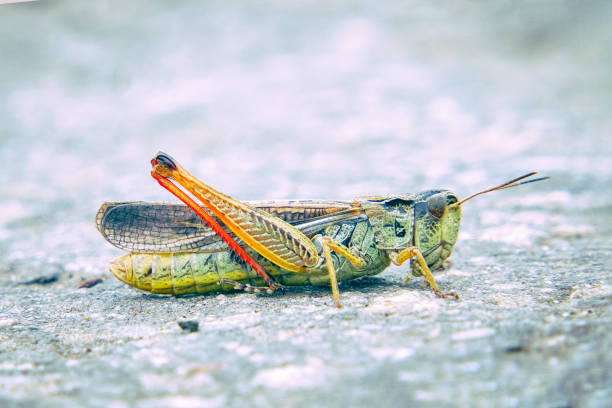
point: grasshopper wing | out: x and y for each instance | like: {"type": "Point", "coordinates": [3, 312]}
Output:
{"type": "Point", "coordinates": [145, 227]}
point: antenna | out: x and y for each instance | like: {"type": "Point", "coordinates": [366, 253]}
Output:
{"type": "Point", "coordinates": [508, 184]}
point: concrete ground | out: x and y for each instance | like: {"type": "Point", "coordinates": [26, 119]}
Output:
{"type": "Point", "coordinates": [264, 101]}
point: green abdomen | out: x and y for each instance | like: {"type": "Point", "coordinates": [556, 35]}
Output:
{"type": "Point", "coordinates": [182, 273]}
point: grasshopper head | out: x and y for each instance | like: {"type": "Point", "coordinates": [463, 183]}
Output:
{"type": "Point", "coordinates": [427, 220]}
{"type": "Point", "coordinates": [436, 226]}
{"type": "Point", "coordinates": [437, 217]}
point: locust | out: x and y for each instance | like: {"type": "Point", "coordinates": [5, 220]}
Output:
{"type": "Point", "coordinates": [223, 244]}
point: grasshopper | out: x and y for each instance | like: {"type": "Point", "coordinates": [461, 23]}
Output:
{"type": "Point", "coordinates": [177, 249]}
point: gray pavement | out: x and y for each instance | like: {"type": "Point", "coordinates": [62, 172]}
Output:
{"type": "Point", "coordinates": [304, 100]}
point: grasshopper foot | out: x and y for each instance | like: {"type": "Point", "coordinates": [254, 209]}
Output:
{"type": "Point", "coordinates": [446, 295]}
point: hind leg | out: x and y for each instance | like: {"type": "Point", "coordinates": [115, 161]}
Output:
{"type": "Point", "coordinates": [250, 288]}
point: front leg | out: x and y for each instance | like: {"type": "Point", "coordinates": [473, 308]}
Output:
{"type": "Point", "coordinates": [414, 252]}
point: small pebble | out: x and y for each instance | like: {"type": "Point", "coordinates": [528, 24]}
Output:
{"type": "Point", "coordinates": [90, 283]}
{"type": "Point", "coordinates": [189, 325]}
{"type": "Point", "coordinates": [41, 280]}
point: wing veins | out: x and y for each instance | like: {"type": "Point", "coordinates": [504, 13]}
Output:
{"type": "Point", "coordinates": [161, 227]}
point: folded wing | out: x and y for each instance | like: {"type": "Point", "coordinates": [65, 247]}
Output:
{"type": "Point", "coordinates": [145, 227]}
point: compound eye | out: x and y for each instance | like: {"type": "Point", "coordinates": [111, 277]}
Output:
{"type": "Point", "coordinates": [436, 205]}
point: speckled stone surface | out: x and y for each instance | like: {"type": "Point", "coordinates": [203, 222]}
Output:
{"type": "Point", "coordinates": [268, 100]}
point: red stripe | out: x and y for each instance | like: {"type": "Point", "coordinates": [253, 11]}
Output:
{"type": "Point", "coordinates": [165, 183]}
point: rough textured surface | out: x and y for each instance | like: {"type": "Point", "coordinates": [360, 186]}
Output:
{"type": "Point", "coordinates": [266, 100]}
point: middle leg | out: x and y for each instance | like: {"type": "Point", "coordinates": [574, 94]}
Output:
{"type": "Point", "coordinates": [357, 260]}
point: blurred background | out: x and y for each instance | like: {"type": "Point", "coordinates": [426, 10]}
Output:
{"type": "Point", "coordinates": [304, 99]}
{"type": "Point", "coordinates": [290, 99]}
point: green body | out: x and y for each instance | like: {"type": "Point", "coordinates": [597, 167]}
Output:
{"type": "Point", "coordinates": [386, 226]}
{"type": "Point", "coordinates": [182, 273]}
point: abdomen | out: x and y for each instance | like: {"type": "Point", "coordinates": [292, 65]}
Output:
{"type": "Point", "coordinates": [183, 273]}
